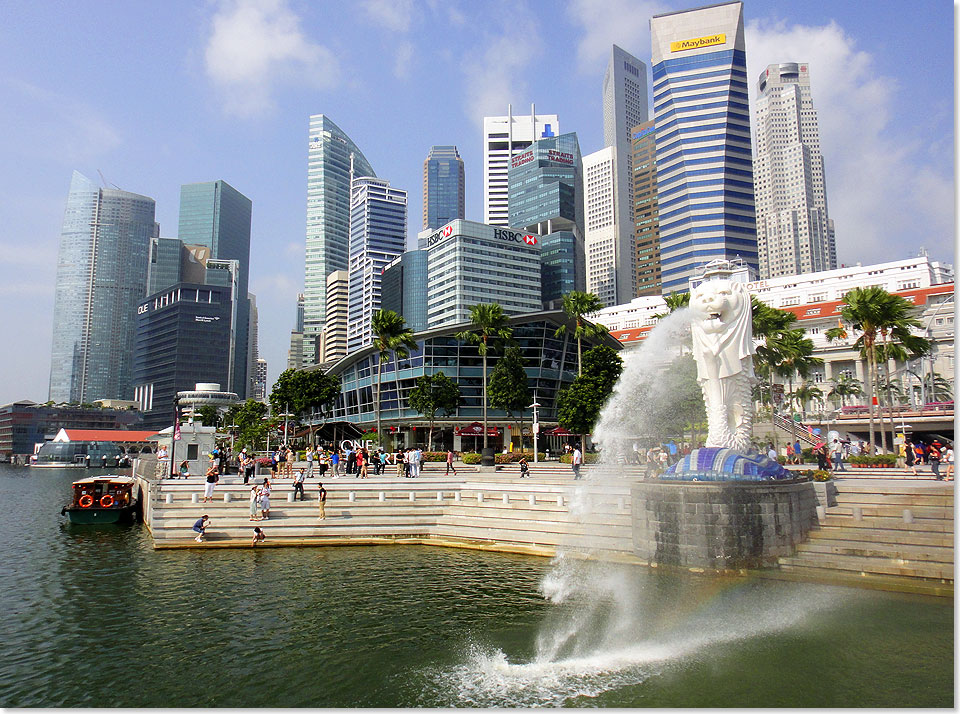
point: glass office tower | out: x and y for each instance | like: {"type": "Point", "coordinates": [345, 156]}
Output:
{"type": "Point", "coordinates": [704, 158]}
{"type": "Point", "coordinates": [545, 196]}
{"type": "Point", "coordinates": [443, 187]}
{"type": "Point", "coordinates": [403, 288]}
{"type": "Point", "coordinates": [216, 215]}
{"type": "Point", "coordinates": [328, 217]}
{"type": "Point", "coordinates": [101, 276]}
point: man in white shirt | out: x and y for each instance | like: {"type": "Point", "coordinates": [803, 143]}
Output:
{"type": "Point", "coordinates": [576, 461]}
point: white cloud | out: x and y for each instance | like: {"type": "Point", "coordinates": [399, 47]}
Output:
{"type": "Point", "coordinates": [396, 15]}
{"type": "Point", "coordinates": [625, 23]}
{"type": "Point", "coordinates": [494, 68]}
{"type": "Point", "coordinates": [403, 61]}
{"type": "Point", "coordinates": [257, 44]}
{"type": "Point", "coordinates": [886, 194]}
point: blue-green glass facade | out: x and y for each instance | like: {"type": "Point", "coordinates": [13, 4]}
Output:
{"type": "Point", "coordinates": [443, 187]}
{"type": "Point", "coordinates": [101, 276]}
{"type": "Point", "coordinates": [216, 215]}
{"type": "Point", "coordinates": [545, 196]}
{"type": "Point", "coordinates": [403, 288]}
{"type": "Point", "coordinates": [328, 219]}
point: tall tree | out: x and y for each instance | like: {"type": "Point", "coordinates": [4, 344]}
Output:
{"type": "Point", "coordinates": [490, 329]}
{"type": "Point", "coordinates": [209, 415]}
{"type": "Point", "coordinates": [805, 394]}
{"type": "Point", "coordinates": [795, 353]}
{"type": "Point", "coordinates": [390, 334]}
{"type": "Point", "coordinates": [248, 417]}
{"type": "Point", "coordinates": [843, 387]}
{"type": "Point", "coordinates": [435, 393]}
{"type": "Point", "coordinates": [508, 386]}
{"type": "Point", "coordinates": [769, 324]}
{"type": "Point", "coordinates": [577, 304]}
{"type": "Point", "coordinates": [579, 405]}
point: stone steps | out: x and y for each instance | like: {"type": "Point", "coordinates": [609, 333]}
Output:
{"type": "Point", "coordinates": [892, 523]}
{"type": "Point", "coordinates": [868, 510]}
{"type": "Point", "coordinates": [899, 551]}
{"type": "Point", "coordinates": [883, 535]}
{"type": "Point", "coordinates": [871, 565]}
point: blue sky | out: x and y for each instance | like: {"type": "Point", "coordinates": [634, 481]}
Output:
{"type": "Point", "coordinates": [159, 94]}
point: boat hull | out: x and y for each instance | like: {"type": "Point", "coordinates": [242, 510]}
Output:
{"type": "Point", "coordinates": [90, 516]}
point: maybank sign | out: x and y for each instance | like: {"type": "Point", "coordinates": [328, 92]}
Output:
{"type": "Point", "coordinates": [698, 42]}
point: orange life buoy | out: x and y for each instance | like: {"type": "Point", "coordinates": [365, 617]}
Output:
{"type": "Point", "coordinates": [106, 500]}
{"type": "Point", "coordinates": [86, 500]}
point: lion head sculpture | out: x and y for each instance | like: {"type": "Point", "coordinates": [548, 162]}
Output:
{"type": "Point", "coordinates": [722, 328]}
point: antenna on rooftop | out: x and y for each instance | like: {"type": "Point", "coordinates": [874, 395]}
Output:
{"type": "Point", "coordinates": [104, 181]}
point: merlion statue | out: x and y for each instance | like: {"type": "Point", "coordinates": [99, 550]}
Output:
{"type": "Point", "coordinates": [722, 329]}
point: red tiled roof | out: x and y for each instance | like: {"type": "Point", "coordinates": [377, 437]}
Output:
{"type": "Point", "coordinates": [107, 435]}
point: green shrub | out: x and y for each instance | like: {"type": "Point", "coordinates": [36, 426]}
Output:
{"type": "Point", "coordinates": [587, 458]}
{"type": "Point", "coordinates": [471, 458]}
{"type": "Point", "coordinates": [821, 475]}
{"type": "Point", "coordinates": [513, 457]}
{"type": "Point", "coordinates": [434, 455]}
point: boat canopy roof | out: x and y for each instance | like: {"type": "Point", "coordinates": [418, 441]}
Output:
{"type": "Point", "coordinates": [111, 479]}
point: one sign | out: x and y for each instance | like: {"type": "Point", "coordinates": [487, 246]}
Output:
{"type": "Point", "coordinates": [698, 42]}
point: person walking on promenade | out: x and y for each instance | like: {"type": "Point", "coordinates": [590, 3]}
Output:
{"type": "Point", "coordinates": [213, 475]}
{"type": "Point", "coordinates": [254, 501]}
{"type": "Point", "coordinates": [351, 460]}
{"type": "Point", "coordinates": [771, 452]}
{"type": "Point", "coordinates": [790, 453]}
{"type": "Point", "coordinates": [407, 462]}
{"type": "Point", "coordinates": [322, 501]}
{"type": "Point", "coordinates": [948, 458]}
{"type": "Point", "coordinates": [910, 456]}
{"type": "Point", "coordinates": [577, 459]}
{"type": "Point", "coordinates": [265, 500]}
{"type": "Point", "coordinates": [820, 451]}
{"type": "Point", "coordinates": [797, 452]}
{"type": "Point", "coordinates": [335, 462]}
{"type": "Point", "coordinates": [524, 467]}
{"type": "Point", "coordinates": [298, 484]}
{"type": "Point", "coordinates": [836, 452]}
{"type": "Point", "coordinates": [258, 536]}
{"type": "Point", "coordinates": [249, 467]}
{"type": "Point", "coordinates": [918, 453]}
{"type": "Point", "coordinates": [363, 463]}
{"type": "Point", "coordinates": [415, 455]}
{"type": "Point", "coordinates": [201, 527]}
{"type": "Point", "coordinates": [399, 460]}
{"type": "Point", "coordinates": [935, 456]}
{"type": "Point", "coordinates": [450, 463]}
{"type": "Point", "coordinates": [309, 457]}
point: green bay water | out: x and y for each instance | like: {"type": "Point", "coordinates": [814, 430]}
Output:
{"type": "Point", "coordinates": [94, 617]}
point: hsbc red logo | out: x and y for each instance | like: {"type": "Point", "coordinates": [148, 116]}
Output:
{"type": "Point", "coordinates": [530, 240]}
{"type": "Point", "coordinates": [447, 231]}
{"type": "Point", "coordinates": [513, 236]}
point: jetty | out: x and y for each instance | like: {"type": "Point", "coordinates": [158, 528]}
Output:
{"type": "Point", "coordinates": [876, 529]}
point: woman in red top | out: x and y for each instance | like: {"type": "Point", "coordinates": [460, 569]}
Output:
{"type": "Point", "coordinates": [362, 462]}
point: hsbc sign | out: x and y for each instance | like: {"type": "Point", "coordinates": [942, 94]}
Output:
{"type": "Point", "coordinates": [440, 235]}
{"type": "Point", "coordinates": [514, 236]}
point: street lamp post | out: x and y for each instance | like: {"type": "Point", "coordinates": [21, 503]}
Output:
{"type": "Point", "coordinates": [232, 428]}
{"type": "Point", "coordinates": [536, 428]}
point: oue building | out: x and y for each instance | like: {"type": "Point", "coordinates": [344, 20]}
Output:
{"type": "Point", "coordinates": [550, 364]}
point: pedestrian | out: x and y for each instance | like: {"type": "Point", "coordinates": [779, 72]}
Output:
{"type": "Point", "coordinates": [576, 460]}
{"type": "Point", "coordinates": [265, 500]}
{"type": "Point", "coordinates": [362, 463]}
{"type": "Point", "coordinates": [415, 462]}
{"type": "Point", "coordinates": [249, 467]}
{"type": "Point", "coordinates": [797, 452]}
{"type": "Point", "coordinates": [401, 462]}
{"type": "Point", "coordinates": [351, 460]}
{"type": "Point", "coordinates": [281, 457]}
{"type": "Point", "coordinates": [201, 527]}
{"type": "Point", "coordinates": [335, 462]}
{"type": "Point", "coordinates": [790, 453]}
{"type": "Point", "coordinates": [450, 463]}
{"type": "Point", "coordinates": [820, 451]}
{"type": "Point", "coordinates": [910, 456]}
{"type": "Point", "coordinates": [524, 467]}
{"type": "Point", "coordinates": [836, 451]}
{"type": "Point", "coordinates": [917, 454]}
{"type": "Point", "coordinates": [258, 536]}
{"type": "Point", "coordinates": [382, 457]}
{"type": "Point", "coordinates": [771, 452]}
{"type": "Point", "coordinates": [184, 470]}
{"type": "Point", "coordinates": [309, 456]}
{"type": "Point", "coordinates": [407, 461]}
{"type": "Point", "coordinates": [322, 500]}
{"type": "Point", "coordinates": [948, 458]}
{"type": "Point", "coordinates": [213, 475]}
{"type": "Point", "coordinates": [935, 454]}
{"type": "Point", "coordinates": [254, 502]}
{"type": "Point", "coordinates": [298, 484]}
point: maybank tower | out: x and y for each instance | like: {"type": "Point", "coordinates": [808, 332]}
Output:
{"type": "Point", "coordinates": [704, 158]}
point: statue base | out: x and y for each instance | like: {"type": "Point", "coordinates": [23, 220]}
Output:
{"type": "Point", "coordinates": [717, 464]}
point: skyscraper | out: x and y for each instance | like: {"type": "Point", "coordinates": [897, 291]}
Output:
{"type": "Point", "coordinates": [295, 353]}
{"type": "Point", "coordinates": [443, 187]}
{"type": "Point", "coordinates": [704, 159]}
{"type": "Point", "coordinates": [328, 220]}
{"type": "Point", "coordinates": [216, 215]}
{"type": "Point", "coordinates": [624, 107]}
{"type": "Point", "coordinates": [546, 197]}
{"type": "Point", "coordinates": [794, 233]}
{"type": "Point", "coordinates": [502, 138]}
{"type": "Point", "coordinates": [333, 340]}
{"type": "Point", "coordinates": [101, 276]}
{"type": "Point", "coordinates": [403, 288]}
{"type": "Point", "coordinates": [646, 213]}
{"type": "Point", "coordinates": [602, 245]}
{"type": "Point", "coordinates": [378, 234]}
{"type": "Point", "coordinates": [260, 380]}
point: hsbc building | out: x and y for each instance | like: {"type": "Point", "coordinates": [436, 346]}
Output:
{"type": "Point", "coordinates": [470, 263]}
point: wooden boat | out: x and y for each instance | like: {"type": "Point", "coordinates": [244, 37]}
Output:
{"type": "Point", "coordinates": [104, 499]}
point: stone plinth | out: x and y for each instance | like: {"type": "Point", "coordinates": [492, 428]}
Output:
{"type": "Point", "coordinates": [720, 526]}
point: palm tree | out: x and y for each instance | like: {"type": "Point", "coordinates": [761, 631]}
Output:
{"type": "Point", "coordinates": [577, 304]}
{"type": "Point", "coordinates": [796, 358]}
{"type": "Point", "coordinates": [390, 334]}
{"type": "Point", "coordinates": [490, 329]}
{"type": "Point", "coordinates": [769, 324]}
{"type": "Point", "coordinates": [806, 393]}
{"type": "Point", "coordinates": [844, 387]}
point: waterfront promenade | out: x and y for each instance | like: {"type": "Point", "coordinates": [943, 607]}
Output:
{"type": "Point", "coordinates": [877, 528]}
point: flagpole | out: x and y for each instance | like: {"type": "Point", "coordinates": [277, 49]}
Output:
{"type": "Point", "coordinates": [175, 436]}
